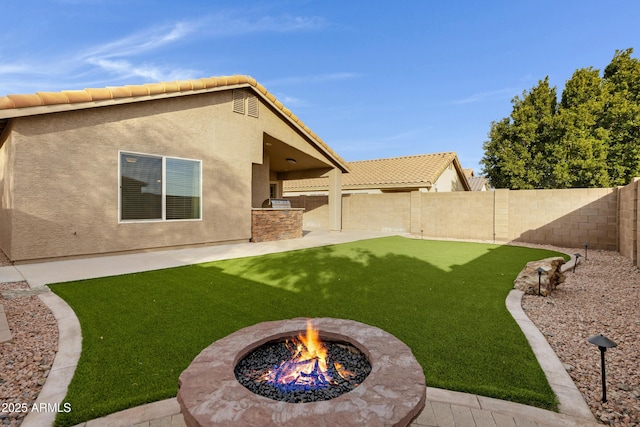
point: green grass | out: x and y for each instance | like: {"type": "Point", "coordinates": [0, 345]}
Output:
{"type": "Point", "coordinates": [445, 300]}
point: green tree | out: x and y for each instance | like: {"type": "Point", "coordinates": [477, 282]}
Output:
{"type": "Point", "coordinates": [517, 155]}
{"type": "Point", "coordinates": [621, 116]}
{"type": "Point", "coordinates": [583, 142]}
{"type": "Point", "coordinates": [591, 139]}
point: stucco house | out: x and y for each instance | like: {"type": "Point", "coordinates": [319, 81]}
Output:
{"type": "Point", "coordinates": [435, 172]}
{"type": "Point", "coordinates": [174, 164]}
{"type": "Point", "coordinates": [476, 183]}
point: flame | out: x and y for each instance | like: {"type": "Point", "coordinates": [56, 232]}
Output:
{"type": "Point", "coordinates": [308, 366]}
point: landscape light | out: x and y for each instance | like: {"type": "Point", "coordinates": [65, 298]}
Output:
{"type": "Point", "coordinates": [540, 270]}
{"type": "Point", "coordinates": [575, 263]}
{"type": "Point", "coordinates": [586, 249]}
{"type": "Point", "coordinates": [603, 343]}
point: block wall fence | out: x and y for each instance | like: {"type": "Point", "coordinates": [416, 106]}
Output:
{"type": "Point", "coordinates": [605, 218]}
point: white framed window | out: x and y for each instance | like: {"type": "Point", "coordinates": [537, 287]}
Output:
{"type": "Point", "coordinates": [159, 188]}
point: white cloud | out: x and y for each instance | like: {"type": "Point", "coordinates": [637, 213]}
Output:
{"type": "Point", "coordinates": [13, 68]}
{"type": "Point", "coordinates": [141, 42]}
{"type": "Point", "coordinates": [481, 96]}
{"type": "Point", "coordinates": [130, 57]}
{"type": "Point", "coordinates": [148, 72]}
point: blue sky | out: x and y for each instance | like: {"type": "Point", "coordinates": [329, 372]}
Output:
{"type": "Point", "coordinates": [372, 78]}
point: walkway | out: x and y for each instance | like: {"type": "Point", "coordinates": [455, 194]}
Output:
{"type": "Point", "coordinates": [443, 408]}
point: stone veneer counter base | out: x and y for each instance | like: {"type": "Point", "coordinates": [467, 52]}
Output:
{"type": "Point", "coordinates": [393, 394]}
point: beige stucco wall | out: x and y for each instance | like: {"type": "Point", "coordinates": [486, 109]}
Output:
{"type": "Point", "coordinates": [260, 177]}
{"type": "Point", "coordinates": [6, 159]}
{"type": "Point", "coordinates": [64, 170]}
{"type": "Point", "coordinates": [449, 180]}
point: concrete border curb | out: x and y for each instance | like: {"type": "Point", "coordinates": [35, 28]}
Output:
{"type": "Point", "coordinates": [5, 332]}
{"type": "Point", "coordinates": [64, 364]}
{"type": "Point", "coordinates": [571, 401]}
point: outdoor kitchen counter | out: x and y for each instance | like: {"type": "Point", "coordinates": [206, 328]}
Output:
{"type": "Point", "coordinates": [269, 224]}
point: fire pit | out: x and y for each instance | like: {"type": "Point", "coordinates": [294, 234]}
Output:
{"type": "Point", "coordinates": [369, 377]}
{"type": "Point", "coordinates": [303, 368]}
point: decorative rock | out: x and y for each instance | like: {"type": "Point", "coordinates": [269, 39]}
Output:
{"type": "Point", "coordinates": [527, 280]}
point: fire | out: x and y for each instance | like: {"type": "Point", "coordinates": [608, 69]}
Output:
{"type": "Point", "coordinates": [309, 365]}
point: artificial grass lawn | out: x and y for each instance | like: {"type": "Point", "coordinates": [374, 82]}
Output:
{"type": "Point", "coordinates": [445, 300]}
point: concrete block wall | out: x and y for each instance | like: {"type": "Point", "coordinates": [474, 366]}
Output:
{"type": "Point", "coordinates": [459, 215]}
{"type": "Point", "coordinates": [377, 212]}
{"type": "Point", "coordinates": [316, 211]}
{"type": "Point", "coordinates": [606, 218]}
{"type": "Point", "coordinates": [569, 217]}
{"type": "Point", "coordinates": [628, 221]}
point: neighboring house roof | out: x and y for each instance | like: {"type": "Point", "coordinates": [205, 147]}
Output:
{"type": "Point", "coordinates": [468, 173]}
{"type": "Point", "coordinates": [22, 105]}
{"type": "Point", "coordinates": [399, 172]}
{"type": "Point", "coordinates": [478, 182]}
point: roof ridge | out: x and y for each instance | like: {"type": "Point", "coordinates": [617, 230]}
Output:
{"type": "Point", "coordinates": [405, 157]}
{"type": "Point", "coordinates": [43, 98]}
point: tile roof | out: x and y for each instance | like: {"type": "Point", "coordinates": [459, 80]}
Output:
{"type": "Point", "coordinates": [18, 105]}
{"type": "Point", "coordinates": [408, 171]}
{"type": "Point", "coordinates": [477, 182]}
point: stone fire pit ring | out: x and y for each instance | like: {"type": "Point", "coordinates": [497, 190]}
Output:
{"type": "Point", "coordinates": [393, 394]}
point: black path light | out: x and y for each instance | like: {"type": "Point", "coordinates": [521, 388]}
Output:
{"type": "Point", "coordinates": [540, 270]}
{"type": "Point", "coordinates": [603, 344]}
{"type": "Point", "coordinates": [586, 250]}
{"type": "Point", "coordinates": [575, 263]}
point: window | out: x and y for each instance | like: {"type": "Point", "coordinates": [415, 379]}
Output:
{"type": "Point", "coordinates": [159, 188]}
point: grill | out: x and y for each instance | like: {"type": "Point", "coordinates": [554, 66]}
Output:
{"type": "Point", "coordinates": [277, 204]}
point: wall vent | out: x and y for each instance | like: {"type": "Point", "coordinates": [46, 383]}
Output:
{"type": "Point", "coordinates": [252, 105]}
{"type": "Point", "coordinates": [238, 101]}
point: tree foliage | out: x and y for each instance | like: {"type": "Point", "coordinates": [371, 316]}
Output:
{"type": "Point", "coordinates": [591, 138]}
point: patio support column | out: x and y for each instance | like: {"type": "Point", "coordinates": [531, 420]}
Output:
{"type": "Point", "coordinates": [335, 200]}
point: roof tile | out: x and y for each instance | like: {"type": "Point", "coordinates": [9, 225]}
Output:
{"type": "Point", "coordinates": [120, 92]}
{"type": "Point", "coordinates": [261, 89]}
{"type": "Point", "coordinates": [138, 90]}
{"type": "Point", "coordinates": [171, 87]}
{"type": "Point", "coordinates": [197, 84]}
{"type": "Point", "coordinates": [50, 98]}
{"type": "Point", "coordinates": [398, 171]}
{"type": "Point", "coordinates": [6, 103]}
{"type": "Point", "coordinates": [77, 96]}
{"type": "Point", "coordinates": [184, 85]}
{"type": "Point", "coordinates": [209, 82]}
{"type": "Point", "coordinates": [27, 100]}
{"type": "Point", "coordinates": [99, 94]}
{"type": "Point", "coordinates": [155, 88]}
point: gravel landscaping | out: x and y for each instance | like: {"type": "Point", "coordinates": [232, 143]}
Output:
{"type": "Point", "coordinates": [602, 296]}
{"type": "Point", "coordinates": [25, 361]}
